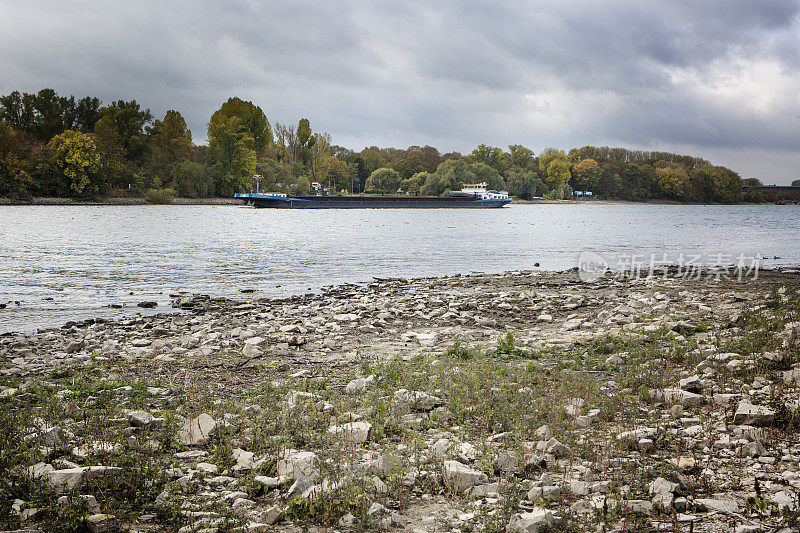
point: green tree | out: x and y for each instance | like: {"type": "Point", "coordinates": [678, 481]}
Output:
{"type": "Point", "coordinates": [557, 174]}
{"type": "Point", "coordinates": [231, 155]}
{"type": "Point", "coordinates": [492, 156]}
{"type": "Point", "coordinates": [76, 155]}
{"type": "Point", "coordinates": [41, 115]}
{"type": "Point", "coordinates": [338, 175]}
{"type": "Point", "coordinates": [305, 141]}
{"type": "Point", "coordinates": [451, 175]}
{"type": "Point", "coordinates": [415, 183]}
{"type": "Point", "coordinates": [796, 183]}
{"type": "Point", "coordinates": [193, 179]}
{"type": "Point", "coordinates": [171, 144]}
{"type": "Point", "coordinates": [524, 183]}
{"type": "Point", "coordinates": [521, 157]}
{"type": "Point", "coordinates": [14, 178]}
{"type": "Point", "coordinates": [486, 174]}
{"type": "Point", "coordinates": [554, 166]}
{"type": "Point", "coordinates": [128, 123]}
{"type": "Point", "coordinates": [251, 119]}
{"type": "Point", "coordinates": [384, 180]}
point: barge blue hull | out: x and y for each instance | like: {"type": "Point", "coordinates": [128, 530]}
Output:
{"type": "Point", "coordinates": [368, 202]}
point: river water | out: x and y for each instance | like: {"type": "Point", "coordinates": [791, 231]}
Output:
{"type": "Point", "coordinates": [64, 263]}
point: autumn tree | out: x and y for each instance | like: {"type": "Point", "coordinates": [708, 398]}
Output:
{"type": "Point", "coordinates": [673, 182]}
{"type": "Point", "coordinates": [76, 156]}
{"type": "Point", "coordinates": [585, 174]}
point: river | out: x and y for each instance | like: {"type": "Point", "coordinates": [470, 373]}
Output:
{"type": "Point", "coordinates": [61, 263]}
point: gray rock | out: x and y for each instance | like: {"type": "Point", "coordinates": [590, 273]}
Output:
{"type": "Point", "coordinates": [505, 462]}
{"type": "Point", "coordinates": [639, 506]}
{"type": "Point", "coordinates": [692, 384]}
{"type": "Point", "coordinates": [75, 346]}
{"type": "Point", "coordinates": [783, 499]}
{"type": "Point", "coordinates": [51, 437]}
{"type": "Point", "coordinates": [355, 432]}
{"type": "Point", "coordinates": [662, 492]}
{"type": "Point", "coordinates": [272, 515]}
{"type": "Point", "coordinates": [244, 460]}
{"type": "Point", "coordinates": [102, 523]}
{"type": "Point", "coordinates": [532, 522]}
{"type": "Point", "coordinates": [461, 477]}
{"type": "Point", "coordinates": [358, 385]}
{"type": "Point", "coordinates": [753, 449]}
{"type": "Point", "coordinates": [300, 486]}
{"type": "Point", "coordinates": [417, 400]}
{"type": "Point", "coordinates": [140, 418]}
{"type": "Point", "coordinates": [685, 398]}
{"type": "Point", "coordinates": [753, 415]}
{"type": "Point", "coordinates": [197, 431]}
{"type": "Point", "coordinates": [722, 506]}
{"type": "Point", "coordinates": [69, 479]}
{"type": "Point", "coordinates": [242, 505]}
{"type": "Point", "coordinates": [557, 449]}
{"type": "Point", "coordinates": [297, 464]}
{"type": "Point", "coordinates": [268, 482]}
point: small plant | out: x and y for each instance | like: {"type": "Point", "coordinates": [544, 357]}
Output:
{"type": "Point", "coordinates": [458, 350]}
{"type": "Point", "coordinates": [506, 345]}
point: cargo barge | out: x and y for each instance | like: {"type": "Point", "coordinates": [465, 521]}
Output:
{"type": "Point", "coordinates": [471, 196]}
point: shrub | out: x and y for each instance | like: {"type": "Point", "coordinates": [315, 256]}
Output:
{"type": "Point", "coordinates": [159, 196]}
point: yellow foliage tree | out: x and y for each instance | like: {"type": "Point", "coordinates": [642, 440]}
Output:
{"type": "Point", "coordinates": [673, 182]}
{"type": "Point", "coordinates": [585, 174]}
{"type": "Point", "coordinates": [77, 156]}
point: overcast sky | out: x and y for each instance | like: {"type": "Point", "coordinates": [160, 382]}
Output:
{"type": "Point", "coordinates": [715, 78]}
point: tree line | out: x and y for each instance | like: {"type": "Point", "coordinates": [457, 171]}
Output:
{"type": "Point", "coordinates": [52, 145]}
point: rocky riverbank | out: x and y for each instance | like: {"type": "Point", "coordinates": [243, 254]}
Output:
{"type": "Point", "coordinates": [513, 402]}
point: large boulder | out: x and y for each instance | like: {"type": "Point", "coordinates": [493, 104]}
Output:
{"type": "Point", "coordinates": [753, 415]}
{"type": "Point", "coordinates": [140, 418]}
{"type": "Point", "coordinates": [532, 522]}
{"type": "Point", "coordinates": [355, 432]}
{"type": "Point", "coordinates": [461, 477]}
{"type": "Point", "coordinates": [68, 479]}
{"type": "Point", "coordinates": [197, 431]}
{"type": "Point", "coordinates": [297, 464]}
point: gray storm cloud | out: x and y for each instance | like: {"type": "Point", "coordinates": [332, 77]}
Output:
{"type": "Point", "coordinates": [718, 79]}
